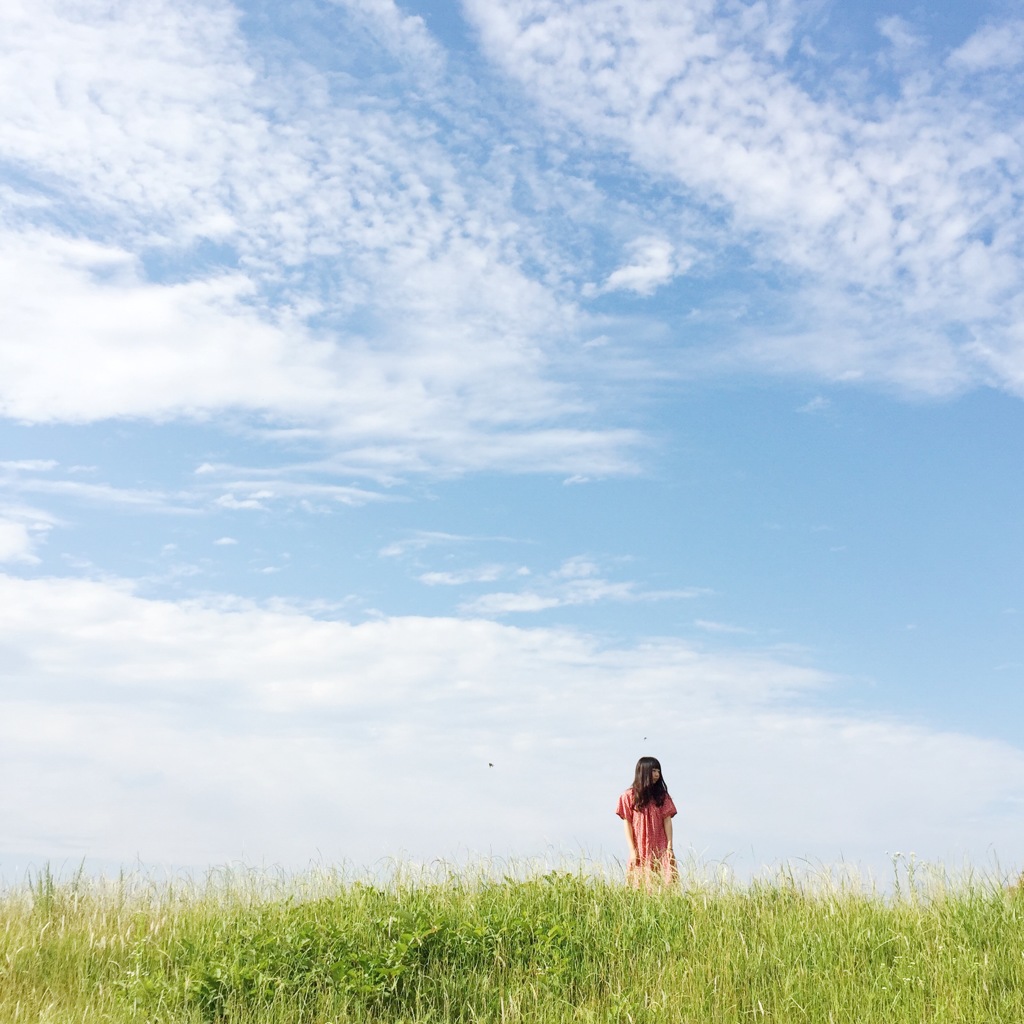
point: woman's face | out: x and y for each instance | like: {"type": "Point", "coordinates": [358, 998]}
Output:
{"type": "Point", "coordinates": [655, 774]}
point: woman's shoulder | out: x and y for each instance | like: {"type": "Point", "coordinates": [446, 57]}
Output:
{"type": "Point", "coordinates": [626, 797]}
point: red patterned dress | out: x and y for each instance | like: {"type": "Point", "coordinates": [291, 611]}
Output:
{"type": "Point", "coordinates": [649, 834]}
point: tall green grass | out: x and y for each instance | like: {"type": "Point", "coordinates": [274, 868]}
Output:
{"type": "Point", "coordinates": [560, 946]}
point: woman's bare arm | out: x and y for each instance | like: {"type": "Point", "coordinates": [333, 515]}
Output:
{"type": "Point", "coordinates": [631, 839]}
{"type": "Point", "coordinates": [668, 831]}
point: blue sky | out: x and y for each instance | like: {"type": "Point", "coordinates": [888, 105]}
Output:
{"type": "Point", "coordinates": [390, 390]}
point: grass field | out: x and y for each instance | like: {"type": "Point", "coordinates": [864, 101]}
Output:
{"type": "Point", "coordinates": [561, 946]}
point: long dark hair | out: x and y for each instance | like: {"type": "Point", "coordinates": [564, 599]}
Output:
{"type": "Point", "coordinates": [645, 789]}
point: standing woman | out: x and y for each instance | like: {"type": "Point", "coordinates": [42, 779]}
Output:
{"type": "Point", "coordinates": [647, 811]}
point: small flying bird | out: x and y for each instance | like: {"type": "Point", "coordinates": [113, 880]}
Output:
{"type": "Point", "coordinates": [489, 764]}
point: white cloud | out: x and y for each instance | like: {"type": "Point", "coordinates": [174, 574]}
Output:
{"type": "Point", "coordinates": [16, 541]}
{"type": "Point", "coordinates": [900, 33]}
{"type": "Point", "coordinates": [256, 500]}
{"type": "Point", "coordinates": [710, 626]}
{"type": "Point", "coordinates": [479, 574]}
{"type": "Point", "coordinates": [225, 541]}
{"type": "Point", "coordinates": [816, 405]}
{"type": "Point", "coordinates": [993, 46]}
{"type": "Point", "coordinates": [653, 262]}
{"type": "Point", "coordinates": [405, 36]}
{"type": "Point", "coordinates": [374, 288]}
{"type": "Point", "coordinates": [272, 485]}
{"type": "Point", "coordinates": [18, 482]}
{"type": "Point", "coordinates": [577, 581]}
{"type": "Point", "coordinates": [22, 529]}
{"type": "Point", "coordinates": [166, 137]}
{"type": "Point", "coordinates": [196, 731]}
{"type": "Point", "coordinates": [118, 345]}
{"type": "Point", "coordinates": [145, 103]}
{"type": "Point", "coordinates": [577, 567]}
{"type": "Point", "coordinates": [420, 540]}
{"type": "Point", "coordinates": [903, 211]}
{"type": "Point", "coordinates": [29, 465]}
{"type": "Point", "coordinates": [577, 592]}
{"type": "Point", "coordinates": [504, 603]}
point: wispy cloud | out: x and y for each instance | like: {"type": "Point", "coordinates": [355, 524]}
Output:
{"type": "Point", "coordinates": [578, 581]}
{"type": "Point", "coordinates": [420, 540]}
{"type": "Point", "coordinates": [894, 224]}
{"type": "Point", "coordinates": [22, 530]}
{"type": "Point", "coordinates": [994, 46]}
{"type": "Point", "coordinates": [312, 496]}
{"type": "Point", "coordinates": [29, 465]}
{"type": "Point", "coordinates": [37, 477]}
{"type": "Point", "coordinates": [710, 626]}
{"type": "Point", "coordinates": [254, 500]}
{"type": "Point", "coordinates": [479, 574]}
{"type": "Point", "coordinates": [901, 35]}
{"type": "Point", "coordinates": [816, 405]}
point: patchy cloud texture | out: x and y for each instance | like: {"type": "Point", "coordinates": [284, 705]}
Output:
{"type": "Point", "coordinates": [901, 213]}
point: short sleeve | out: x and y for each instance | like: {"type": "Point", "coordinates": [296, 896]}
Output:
{"type": "Point", "coordinates": [625, 805]}
{"type": "Point", "coordinates": [668, 808]}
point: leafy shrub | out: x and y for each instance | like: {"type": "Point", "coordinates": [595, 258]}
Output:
{"type": "Point", "coordinates": [303, 953]}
